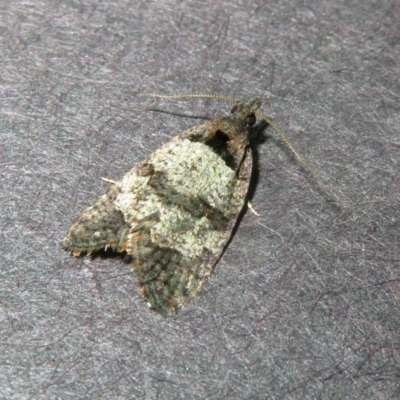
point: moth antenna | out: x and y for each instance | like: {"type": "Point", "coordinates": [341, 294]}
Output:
{"type": "Point", "coordinates": [289, 144]}
{"type": "Point", "coordinates": [188, 96]}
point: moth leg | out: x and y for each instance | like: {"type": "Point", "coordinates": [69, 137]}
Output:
{"type": "Point", "coordinates": [251, 208]}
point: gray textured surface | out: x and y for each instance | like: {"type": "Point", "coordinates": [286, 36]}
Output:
{"type": "Point", "coordinates": [305, 301]}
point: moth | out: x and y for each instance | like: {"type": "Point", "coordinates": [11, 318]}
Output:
{"type": "Point", "coordinates": [174, 213]}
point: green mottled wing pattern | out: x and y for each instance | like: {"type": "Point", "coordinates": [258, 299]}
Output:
{"type": "Point", "coordinates": [174, 213]}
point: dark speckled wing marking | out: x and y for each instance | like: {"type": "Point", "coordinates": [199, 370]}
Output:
{"type": "Point", "coordinates": [100, 227]}
{"type": "Point", "coordinates": [174, 213]}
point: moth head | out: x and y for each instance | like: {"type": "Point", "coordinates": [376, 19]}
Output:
{"type": "Point", "coordinates": [247, 110]}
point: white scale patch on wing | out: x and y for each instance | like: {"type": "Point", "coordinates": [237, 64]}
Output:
{"type": "Point", "coordinates": [194, 171]}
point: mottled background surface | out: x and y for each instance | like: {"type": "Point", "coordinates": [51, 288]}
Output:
{"type": "Point", "coordinates": [305, 302]}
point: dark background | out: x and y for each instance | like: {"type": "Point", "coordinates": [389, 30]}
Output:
{"type": "Point", "coordinates": [305, 301]}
